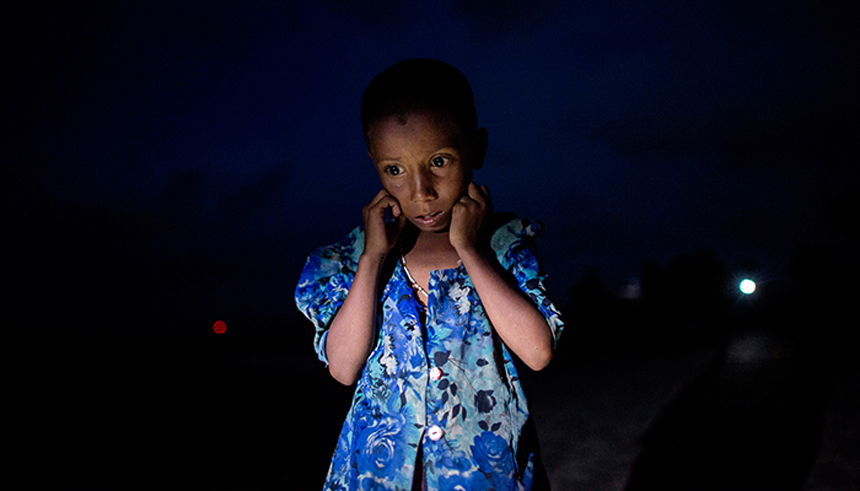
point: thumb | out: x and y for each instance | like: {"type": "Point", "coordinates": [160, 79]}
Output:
{"type": "Point", "coordinates": [399, 222]}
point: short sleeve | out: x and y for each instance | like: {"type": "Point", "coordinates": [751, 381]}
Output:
{"type": "Point", "coordinates": [325, 282]}
{"type": "Point", "coordinates": [513, 243]}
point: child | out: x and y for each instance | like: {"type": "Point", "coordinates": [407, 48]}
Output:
{"type": "Point", "coordinates": [424, 304]}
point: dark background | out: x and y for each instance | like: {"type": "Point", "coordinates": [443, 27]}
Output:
{"type": "Point", "coordinates": [172, 164]}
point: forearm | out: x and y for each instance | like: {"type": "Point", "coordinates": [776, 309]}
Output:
{"type": "Point", "coordinates": [515, 318]}
{"type": "Point", "coordinates": [352, 331]}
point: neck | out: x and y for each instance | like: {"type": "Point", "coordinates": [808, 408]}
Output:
{"type": "Point", "coordinates": [433, 240]}
{"type": "Point", "coordinates": [412, 238]}
{"type": "Point", "coordinates": [432, 250]}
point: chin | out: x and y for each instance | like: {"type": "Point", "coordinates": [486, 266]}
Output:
{"type": "Point", "coordinates": [434, 229]}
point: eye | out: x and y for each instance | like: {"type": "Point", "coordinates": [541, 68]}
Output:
{"type": "Point", "coordinates": [392, 170]}
{"type": "Point", "coordinates": [438, 161]}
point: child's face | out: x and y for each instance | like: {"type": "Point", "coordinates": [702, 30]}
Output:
{"type": "Point", "coordinates": [425, 165]}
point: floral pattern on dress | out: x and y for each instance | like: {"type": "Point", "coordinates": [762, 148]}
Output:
{"type": "Point", "coordinates": [476, 407]}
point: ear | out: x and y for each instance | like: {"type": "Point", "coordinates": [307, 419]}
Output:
{"type": "Point", "coordinates": [479, 148]}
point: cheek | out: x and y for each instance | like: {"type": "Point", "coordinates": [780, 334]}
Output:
{"type": "Point", "coordinates": [394, 189]}
{"type": "Point", "coordinates": [463, 185]}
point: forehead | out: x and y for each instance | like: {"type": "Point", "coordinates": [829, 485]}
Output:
{"type": "Point", "coordinates": [418, 130]}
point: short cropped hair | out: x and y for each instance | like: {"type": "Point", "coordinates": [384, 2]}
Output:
{"type": "Point", "coordinates": [419, 85]}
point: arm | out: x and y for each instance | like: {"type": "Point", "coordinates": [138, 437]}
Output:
{"type": "Point", "coordinates": [351, 334]}
{"type": "Point", "coordinates": [352, 331]}
{"type": "Point", "coordinates": [515, 318]}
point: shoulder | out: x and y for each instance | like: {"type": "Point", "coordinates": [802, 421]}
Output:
{"type": "Point", "coordinates": [343, 253]}
{"type": "Point", "coordinates": [512, 232]}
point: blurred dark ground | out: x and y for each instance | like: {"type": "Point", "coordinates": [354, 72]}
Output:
{"type": "Point", "coordinates": [687, 385]}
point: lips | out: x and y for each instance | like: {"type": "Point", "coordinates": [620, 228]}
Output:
{"type": "Point", "coordinates": [429, 219]}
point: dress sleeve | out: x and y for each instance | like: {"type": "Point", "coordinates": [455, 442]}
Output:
{"type": "Point", "coordinates": [513, 243]}
{"type": "Point", "coordinates": [324, 283]}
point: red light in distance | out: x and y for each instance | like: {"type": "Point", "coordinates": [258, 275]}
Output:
{"type": "Point", "coordinates": [219, 327]}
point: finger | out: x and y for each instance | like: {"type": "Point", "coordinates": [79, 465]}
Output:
{"type": "Point", "coordinates": [465, 199]}
{"type": "Point", "coordinates": [390, 215]}
{"type": "Point", "coordinates": [368, 208]}
{"type": "Point", "coordinates": [391, 203]}
{"type": "Point", "coordinates": [391, 211]}
{"type": "Point", "coordinates": [379, 197]}
{"type": "Point", "coordinates": [489, 199]}
{"type": "Point", "coordinates": [400, 222]}
{"type": "Point", "coordinates": [395, 207]}
{"type": "Point", "coordinates": [478, 193]}
{"type": "Point", "coordinates": [384, 200]}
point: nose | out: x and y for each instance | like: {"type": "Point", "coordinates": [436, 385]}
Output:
{"type": "Point", "coordinates": [423, 188]}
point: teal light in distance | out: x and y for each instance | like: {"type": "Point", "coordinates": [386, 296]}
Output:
{"type": "Point", "coordinates": [747, 286]}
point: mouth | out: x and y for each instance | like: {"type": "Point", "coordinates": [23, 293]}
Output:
{"type": "Point", "coordinates": [429, 219]}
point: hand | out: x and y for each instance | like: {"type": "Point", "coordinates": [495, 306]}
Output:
{"type": "Point", "coordinates": [379, 236]}
{"type": "Point", "coordinates": [467, 217]}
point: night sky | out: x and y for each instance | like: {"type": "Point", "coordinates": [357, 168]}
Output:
{"type": "Point", "coordinates": [192, 154]}
{"type": "Point", "coordinates": [170, 164]}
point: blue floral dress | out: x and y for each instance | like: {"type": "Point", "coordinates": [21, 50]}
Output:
{"type": "Point", "coordinates": [450, 389]}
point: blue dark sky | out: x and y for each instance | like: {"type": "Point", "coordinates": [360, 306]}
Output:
{"type": "Point", "coordinates": [184, 157]}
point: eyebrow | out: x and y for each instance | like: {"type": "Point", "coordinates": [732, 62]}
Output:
{"type": "Point", "coordinates": [444, 150]}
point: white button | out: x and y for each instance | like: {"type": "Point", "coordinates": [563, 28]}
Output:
{"type": "Point", "coordinates": [435, 433]}
{"type": "Point", "coordinates": [435, 373]}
